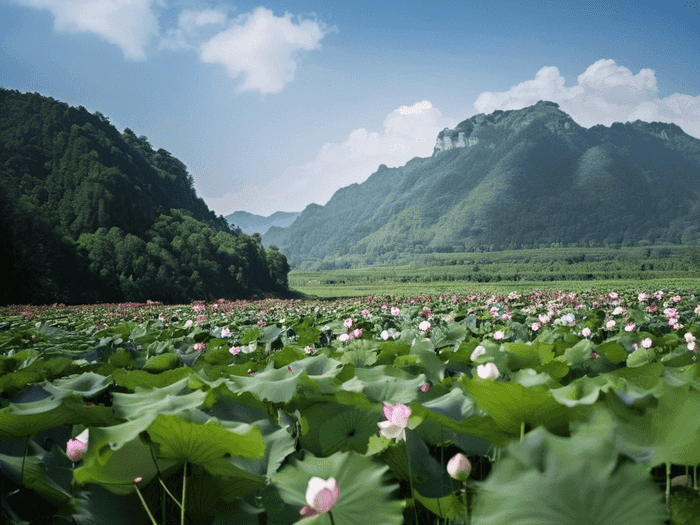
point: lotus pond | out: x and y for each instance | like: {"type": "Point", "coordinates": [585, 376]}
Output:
{"type": "Point", "coordinates": [546, 407]}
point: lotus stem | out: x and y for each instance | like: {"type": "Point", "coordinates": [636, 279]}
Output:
{"type": "Point", "coordinates": [668, 487]}
{"type": "Point", "coordinates": [330, 515]}
{"type": "Point", "coordinates": [184, 488]}
{"type": "Point", "coordinates": [145, 506]}
{"type": "Point", "coordinates": [410, 481]}
{"type": "Point", "coordinates": [442, 467]}
{"type": "Point", "coordinates": [522, 430]}
{"type": "Point", "coordinates": [24, 457]}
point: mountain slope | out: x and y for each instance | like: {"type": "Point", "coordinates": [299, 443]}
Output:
{"type": "Point", "coordinates": [90, 214]}
{"type": "Point", "coordinates": [517, 178]}
{"type": "Point", "coordinates": [250, 223]}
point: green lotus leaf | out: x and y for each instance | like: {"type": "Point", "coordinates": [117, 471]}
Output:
{"type": "Point", "coordinates": [133, 379]}
{"type": "Point", "coordinates": [612, 351]}
{"type": "Point", "coordinates": [447, 507]}
{"type": "Point", "coordinates": [641, 356]}
{"type": "Point", "coordinates": [550, 480]}
{"type": "Point", "coordinates": [348, 429]}
{"type": "Point", "coordinates": [510, 404]}
{"type": "Point", "coordinates": [20, 420]}
{"type": "Point", "coordinates": [521, 355]}
{"type": "Point", "coordinates": [668, 433]}
{"type": "Point", "coordinates": [582, 391]}
{"type": "Point", "coordinates": [202, 443]}
{"type": "Point", "coordinates": [277, 385]}
{"type": "Point", "coordinates": [366, 494]}
{"type": "Point", "coordinates": [386, 384]}
{"type": "Point", "coordinates": [578, 353]}
{"type": "Point", "coordinates": [87, 384]}
{"type": "Point", "coordinates": [161, 362]}
{"type": "Point", "coordinates": [166, 400]}
{"type": "Point", "coordinates": [47, 474]}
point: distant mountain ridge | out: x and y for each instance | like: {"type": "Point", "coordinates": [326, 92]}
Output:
{"type": "Point", "coordinates": [511, 179]}
{"type": "Point", "coordinates": [250, 223]}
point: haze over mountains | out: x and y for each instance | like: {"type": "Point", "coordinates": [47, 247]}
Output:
{"type": "Point", "coordinates": [511, 179]}
{"type": "Point", "coordinates": [250, 223]}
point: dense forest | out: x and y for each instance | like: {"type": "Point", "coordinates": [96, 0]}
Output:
{"type": "Point", "coordinates": [88, 214]}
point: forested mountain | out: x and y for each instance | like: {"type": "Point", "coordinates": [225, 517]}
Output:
{"type": "Point", "coordinates": [250, 223]}
{"type": "Point", "coordinates": [511, 179]}
{"type": "Point", "coordinates": [89, 214]}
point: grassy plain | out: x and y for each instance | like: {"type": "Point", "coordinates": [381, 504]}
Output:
{"type": "Point", "coordinates": [572, 269]}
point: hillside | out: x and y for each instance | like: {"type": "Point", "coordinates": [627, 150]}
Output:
{"type": "Point", "coordinates": [89, 214]}
{"type": "Point", "coordinates": [512, 179]}
{"type": "Point", "coordinates": [250, 223]}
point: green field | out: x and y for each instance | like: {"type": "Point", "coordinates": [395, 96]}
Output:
{"type": "Point", "coordinates": [572, 268]}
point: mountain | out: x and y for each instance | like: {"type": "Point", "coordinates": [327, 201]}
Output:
{"type": "Point", "coordinates": [250, 223]}
{"type": "Point", "coordinates": [88, 214]}
{"type": "Point", "coordinates": [511, 179]}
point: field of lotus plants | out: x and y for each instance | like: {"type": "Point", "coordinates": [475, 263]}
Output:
{"type": "Point", "coordinates": [542, 408]}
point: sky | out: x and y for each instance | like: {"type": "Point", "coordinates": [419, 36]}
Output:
{"type": "Point", "coordinates": [276, 105]}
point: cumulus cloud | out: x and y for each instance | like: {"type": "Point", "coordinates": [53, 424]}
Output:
{"type": "Point", "coordinates": [605, 93]}
{"type": "Point", "coordinates": [129, 24]}
{"type": "Point", "coordinates": [408, 131]}
{"type": "Point", "coordinates": [189, 25]}
{"type": "Point", "coordinates": [264, 48]}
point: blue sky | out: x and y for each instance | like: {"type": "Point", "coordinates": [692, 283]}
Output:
{"type": "Point", "coordinates": [275, 105]}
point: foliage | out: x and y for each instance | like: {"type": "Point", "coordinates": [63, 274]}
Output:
{"type": "Point", "coordinates": [89, 214]}
{"type": "Point", "coordinates": [223, 411]}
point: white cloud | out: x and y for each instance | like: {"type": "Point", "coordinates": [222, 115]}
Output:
{"type": "Point", "coordinates": [264, 47]}
{"type": "Point", "coordinates": [605, 93]}
{"type": "Point", "coordinates": [129, 24]}
{"type": "Point", "coordinates": [409, 131]}
{"type": "Point", "coordinates": [189, 25]}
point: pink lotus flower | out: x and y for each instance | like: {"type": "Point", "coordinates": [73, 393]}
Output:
{"type": "Point", "coordinates": [629, 327]}
{"type": "Point", "coordinates": [395, 310]}
{"type": "Point", "coordinates": [397, 416]}
{"type": "Point", "coordinates": [536, 326]}
{"type": "Point", "coordinates": [499, 335]}
{"type": "Point", "coordinates": [424, 388]}
{"type": "Point", "coordinates": [424, 326]}
{"type": "Point", "coordinates": [199, 346]}
{"type": "Point", "coordinates": [487, 371]}
{"type": "Point", "coordinates": [676, 298]}
{"type": "Point", "coordinates": [384, 335]}
{"type": "Point", "coordinates": [642, 297]}
{"type": "Point", "coordinates": [610, 324]}
{"type": "Point", "coordinates": [344, 338]}
{"type": "Point", "coordinates": [646, 342]}
{"type": "Point", "coordinates": [593, 355]}
{"type": "Point", "coordinates": [225, 332]}
{"type": "Point", "coordinates": [365, 312]}
{"type": "Point", "coordinates": [347, 323]}
{"type": "Point", "coordinates": [321, 496]}
{"type": "Point", "coordinates": [357, 333]}
{"type": "Point", "coordinates": [586, 332]}
{"type": "Point", "coordinates": [459, 467]}
{"type": "Point", "coordinates": [76, 447]}
{"type": "Point", "coordinates": [235, 350]}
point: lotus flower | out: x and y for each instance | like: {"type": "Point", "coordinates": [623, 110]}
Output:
{"type": "Point", "coordinates": [459, 467]}
{"type": "Point", "coordinates": [76, 447]}
{"type": "Point", "coordinates": [395, 427]}
{"type": "Point", "coordinates": [487, 371]}
{"type": "Point", "coordinates": [321, 496]}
